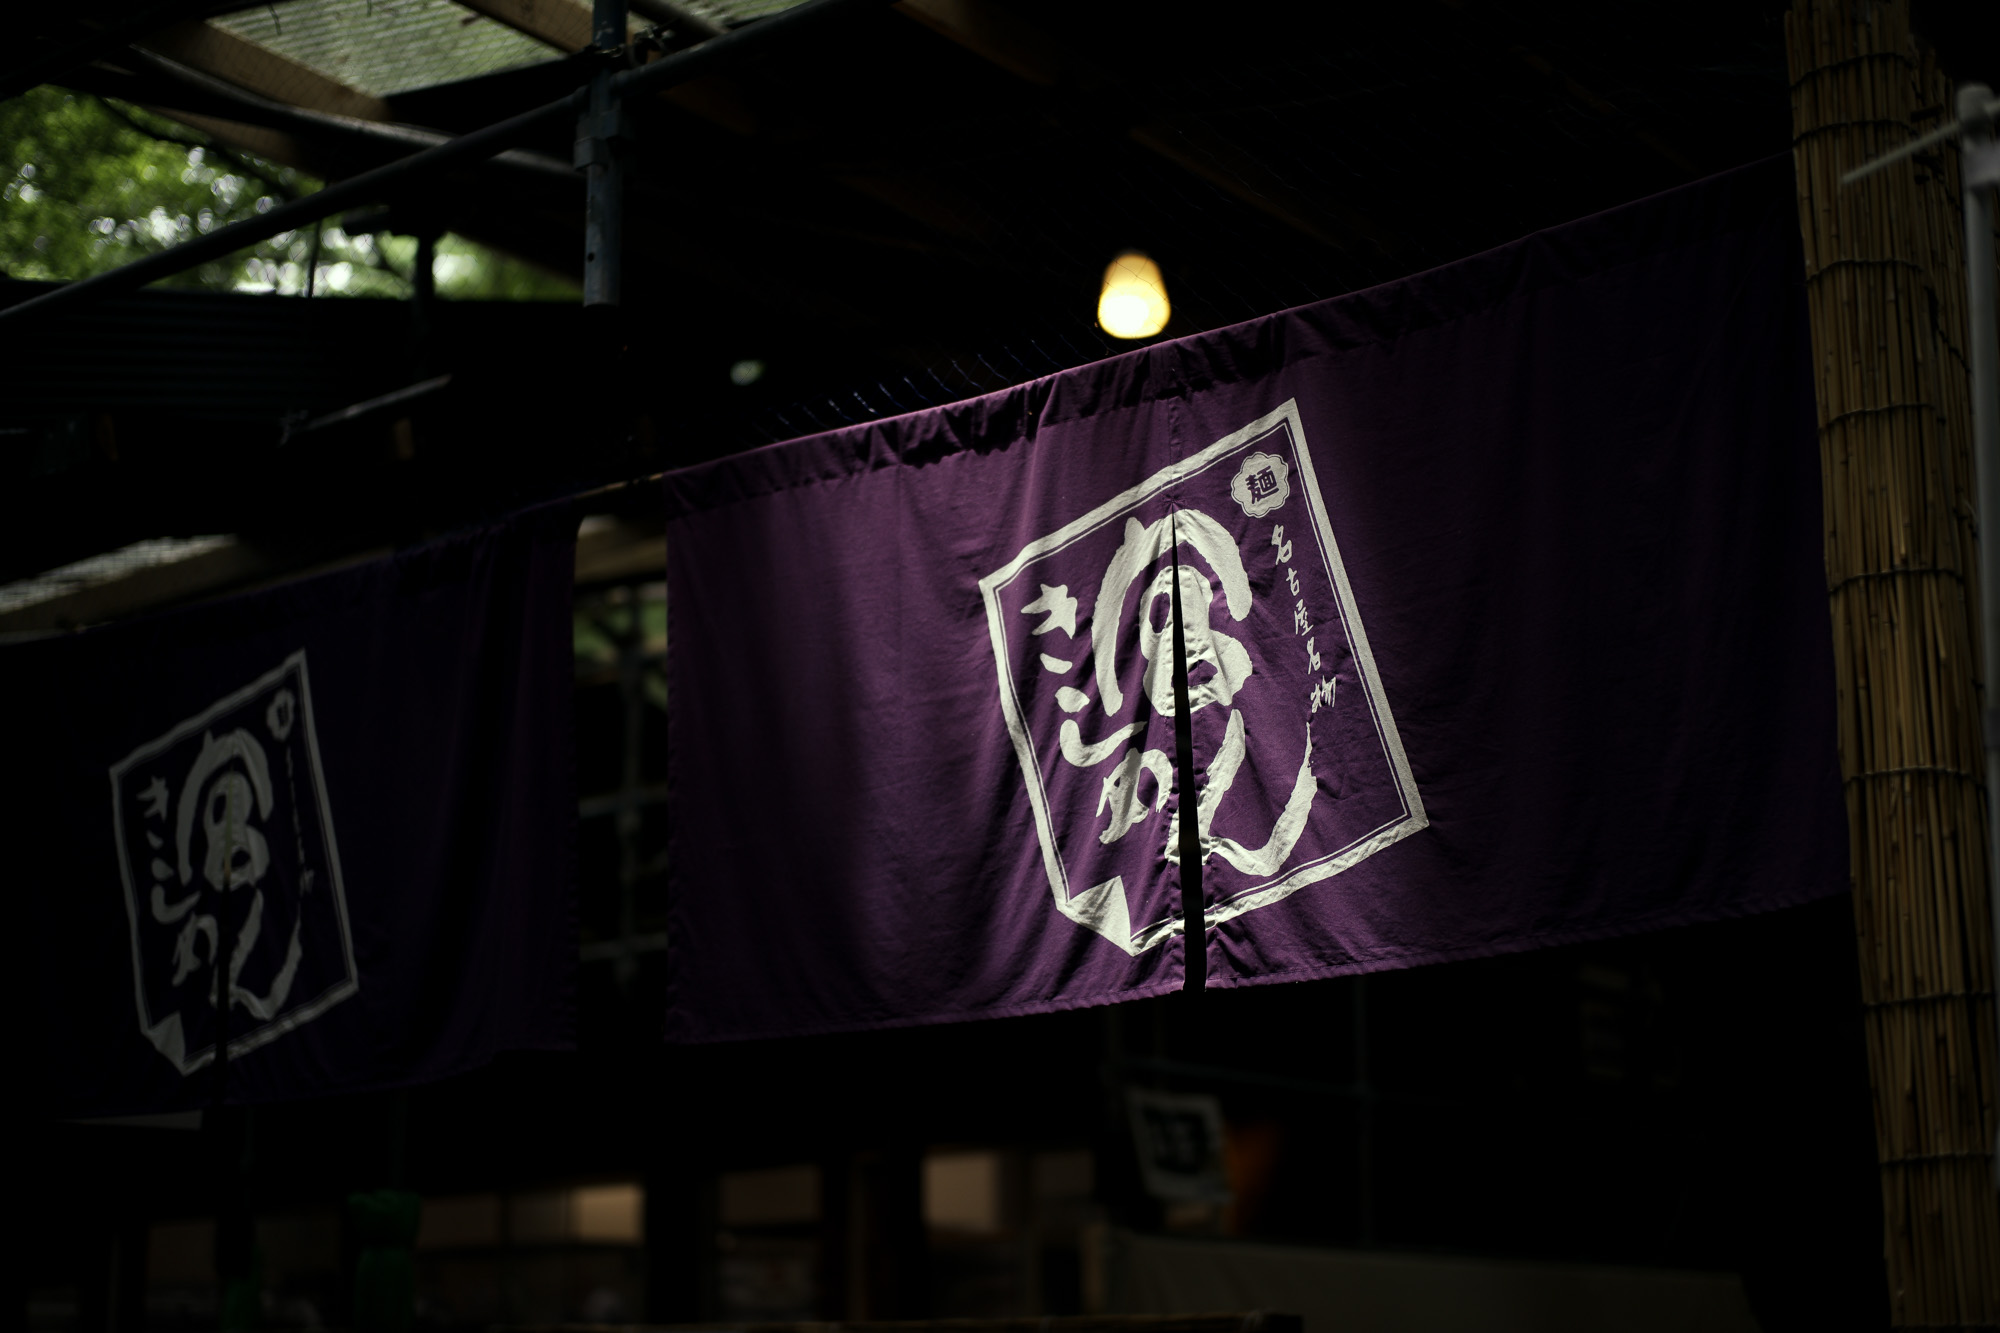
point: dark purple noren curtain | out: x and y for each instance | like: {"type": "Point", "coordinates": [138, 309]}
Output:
{"type": "Point", "coordinates": [1505, 622]}
{"type": "Point", "coordinates": [358, 788]}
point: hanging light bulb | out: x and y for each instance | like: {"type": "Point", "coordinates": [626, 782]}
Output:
{"type": "Point", "coordinates": [1133, 303]}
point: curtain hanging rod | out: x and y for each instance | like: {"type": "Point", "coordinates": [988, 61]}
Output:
{"type": "Point", "coordinates": [1949, 130]}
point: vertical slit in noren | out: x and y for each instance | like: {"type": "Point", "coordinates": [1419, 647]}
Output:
{"type": "Point", "coordinates": [1194, 942]}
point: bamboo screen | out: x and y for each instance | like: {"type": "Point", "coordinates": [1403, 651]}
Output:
{"type": "Point", "coordinates": [1886, 290]}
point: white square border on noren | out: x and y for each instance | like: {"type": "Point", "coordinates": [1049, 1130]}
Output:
{"type": "Point", "coordinates": [1102, 907]}
{"type": "Point", "coordinates": [290, 1019]}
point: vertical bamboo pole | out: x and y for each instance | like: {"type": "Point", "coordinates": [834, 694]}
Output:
{"type": "Point", "coordinates": [1885, 290]}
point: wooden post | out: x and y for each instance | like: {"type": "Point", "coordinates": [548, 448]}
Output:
{"type": "Point", "coordinates": [1885, 288]}
{"type": "Point", "coordinates": [889, 1275]}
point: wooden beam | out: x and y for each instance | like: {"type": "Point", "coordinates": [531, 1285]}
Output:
{"type": "Point", "coordinates": [618, 549]}
{"type": "Point", "coordinates": [1003, 38]}
{"type": "Point", "coordinates": [1198, 149]}
{"type": "Point", "coordinates": [921, 200]}
{"type": "Point", "coordinates": [604, 552]}
{"type": "Point", "coordinates": [1575, 91]}
{"type": "Point", "coordinates": [563, 24]}
{"type": "Point", "coordinates": [994, 34]}
{"type": "Point", "coordinates": [224, 565]}
{"type": "Point", "coordinates": [267, 143]}
{"type": "Point", "coordinates": [249, 65]}
{"type": "Point", "coordinates": [717, 99]}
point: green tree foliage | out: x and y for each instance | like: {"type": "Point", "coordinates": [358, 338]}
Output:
{"type": "Point", "coordinates": [91, 184]}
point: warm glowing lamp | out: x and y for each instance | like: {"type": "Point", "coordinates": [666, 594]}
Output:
{"type": "Point", "coordinates": [1133, 303]}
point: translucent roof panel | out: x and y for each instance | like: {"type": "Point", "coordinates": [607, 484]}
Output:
{"type": "Point", "coordinates": [384, 47]}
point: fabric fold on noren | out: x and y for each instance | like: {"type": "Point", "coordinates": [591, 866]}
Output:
{"type": "Point", "coordinates": [357, 787]}
{"type": "Point", "coordinates": [1505, 627]}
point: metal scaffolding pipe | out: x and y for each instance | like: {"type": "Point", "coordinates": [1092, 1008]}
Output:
{"type": "Point", "coordinates": [1978, 155]}
{"type": "Point", "coordinates": [598, 154]}
{"type": "Point", "coordinates": [368, 187]}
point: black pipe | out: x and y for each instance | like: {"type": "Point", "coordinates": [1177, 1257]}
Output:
{"type": "Point", "coordinates": [369, 186]}
{"type": "Point", "coordinates": [364, 188]}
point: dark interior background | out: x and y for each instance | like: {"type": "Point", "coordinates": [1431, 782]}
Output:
{"type": "Point", "coordinates": [887, 220]}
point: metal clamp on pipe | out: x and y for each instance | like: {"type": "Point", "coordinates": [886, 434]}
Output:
{"type": "Point", "coordinates": [596, 134]}
{"type": "Point", "coordinates": [1980, 164]}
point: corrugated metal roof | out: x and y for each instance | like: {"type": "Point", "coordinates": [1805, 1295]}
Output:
{"type": "Point", "coordinates": [384, 47]}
